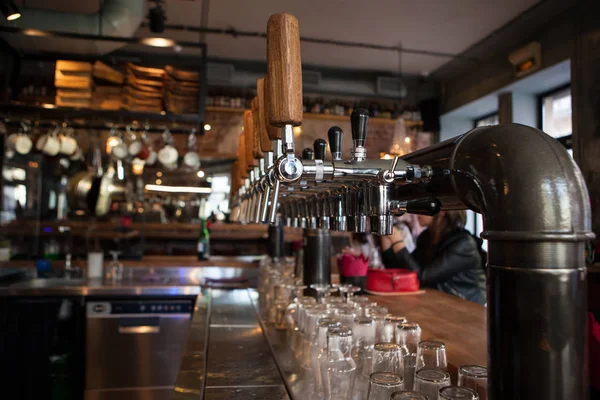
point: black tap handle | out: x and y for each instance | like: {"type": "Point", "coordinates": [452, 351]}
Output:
{"type": "Point", "coordinates": [425, 206]}
{"type": "Point", "coordinates": [320, 149]}
{"type": "Point", "coordinates": [308, 154]}
{"type": "Point", "coordinates": [335, 135]}
{"type": "Point", "coordinates": [359, 121]}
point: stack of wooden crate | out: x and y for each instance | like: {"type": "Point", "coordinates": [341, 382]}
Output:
{"type": "Point", "coordinates": [181, 91]}
{"type": "Point", "coordinates": [144, 89]}
{"type": "Point", "coordinates": [108, 90]}
{"type": "Point", "coordinates": [73, 82]}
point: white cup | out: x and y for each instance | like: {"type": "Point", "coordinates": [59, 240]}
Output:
{"type": "Point", "coordinates": [95, 265]}
{"type": "Point", "coordinates": [168, 155]}
{"type": "Point", "coordinates": [20, 143]}
{"type": "Point", "coordinates": [191, 159]}
{"type": "Point", "coordinates": [48, 144]}
{"type": "Point", "coordinates": [120, 150]}
{"type": "Point", "coordinates": [68, 145]}
{"type": "Point", "coordinates": [151, 160]}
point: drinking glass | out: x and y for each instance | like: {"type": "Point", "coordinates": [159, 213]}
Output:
{"type": "Point", "coordinates": [409, 364]}
{"type": "Point", "coordinates": [388, 333]}
{"type": "Point", "coordinates": [293, 318]}
{"type": "Point", "coordinates": [280, 314]}
{"type": "Point", "coordinates": [378, 314]}
{"type": "Point", "coordinates": [319, 350]}
{"type": "Point", "coordinates": [339, 371]}
{"type": "Point", "coordinates": [346, 316]}
{"type": "Point", "coordinates": [333, 300]}
{"type": "Point", "coordinates": [299, 339]}
{"type": "Point", "coordinates": [430, 381]}
{"type": "Point", "coordinates": [431, 355]}
{"type": "Point", "coordinates": [408, 335]}
{"type": "Point", "coordinates": [347, 291]}
{"type": "Point", "coordinates": [322, 290]}
{"type": "Point", "coordinates": [407, 395]}
{"type": "Point", "coordinates": [387, 357]}
{"type": "Point", "coordinates": [474, 377]}
{"type": "Point", "coordinates": [457, 393]}
{"type": "Point", "coordinates": [313, 316]}
{"type": "Point", "coordinates": [364, 307]}
{"type": "Point", "coordinates": [364, 340]}
{"type": "Point", "coordinates": [383, 384]}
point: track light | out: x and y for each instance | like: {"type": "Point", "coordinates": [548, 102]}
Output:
{"type": "Point", "coordinates": [10, 10]}
{"type": "Point", "coordinates": [157, 18]}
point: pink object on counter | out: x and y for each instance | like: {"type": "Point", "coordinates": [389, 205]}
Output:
{"type": "Point", "coordinates": [351, 264]}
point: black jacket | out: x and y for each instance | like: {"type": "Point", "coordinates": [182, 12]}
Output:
{"type": "Point", "coordinates": [453, 265]}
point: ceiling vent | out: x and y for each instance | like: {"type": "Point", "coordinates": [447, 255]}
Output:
{"type": "Point", "coordinates": [311, 78]}
{"type": "Point", "coordinates": [220, 74]}
{"type": "Point", "coordinates": [391, 87]}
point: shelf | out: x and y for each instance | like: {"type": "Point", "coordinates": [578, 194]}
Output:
{"type": "Point", "coordinates": [114, 115]}
{"type": "Point", "coordinates": [225, 109]}
{"type": "Point", "coordinates": [71, 112]}
{"type": "Point", "coordinates": [328, 117]}
{"type": "Point", "coordinates": [374, 120]}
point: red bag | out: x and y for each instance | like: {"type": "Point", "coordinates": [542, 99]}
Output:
{"type": "Point", "coordinates": [392, 280]}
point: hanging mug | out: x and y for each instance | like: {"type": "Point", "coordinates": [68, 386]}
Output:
{"type": "Point", "coordinates": [138, 149]}
{"type": "Point", "coordinates": [49, 144]}
{"type": "Point", "coordinates": [191, 159]}
{"type": "Point", "coordinates": [20, 142]}
{"type": "Point", "coordinates": [168, 156]}
{"type": "Point", "coordinates": [68, 144]}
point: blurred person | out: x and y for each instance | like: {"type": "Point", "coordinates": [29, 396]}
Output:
{"type": "Point", "coordinates": [447, 257]}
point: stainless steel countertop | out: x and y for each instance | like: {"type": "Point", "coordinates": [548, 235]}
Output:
{"type": "Point", "coordinates": [162, 281]}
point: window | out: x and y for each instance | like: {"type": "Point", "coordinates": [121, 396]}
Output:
{"type": "Point", "coordinates": [488, 120]}
{"type": "Point", "coordinates": [556, 114]}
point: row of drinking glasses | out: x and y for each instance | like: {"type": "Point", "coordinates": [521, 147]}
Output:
{"type": "Point", "coordinates": [351, 345]}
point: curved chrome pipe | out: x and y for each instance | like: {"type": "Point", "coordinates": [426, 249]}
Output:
{"type": "Point", "coordinates": [537, 217]}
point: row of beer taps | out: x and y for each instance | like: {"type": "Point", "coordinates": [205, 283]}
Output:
{"type": "Point", "coordinates": [270, 182]}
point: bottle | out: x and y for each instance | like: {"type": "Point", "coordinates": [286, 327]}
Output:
{"type": "Point", "coordinates": [203, 249]}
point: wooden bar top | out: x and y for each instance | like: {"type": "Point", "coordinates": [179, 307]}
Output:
{"type": "Point", "coordinates": [460, 324]}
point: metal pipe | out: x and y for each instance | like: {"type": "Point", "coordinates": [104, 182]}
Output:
{"type": "Point", "coordinates": [537, 218]}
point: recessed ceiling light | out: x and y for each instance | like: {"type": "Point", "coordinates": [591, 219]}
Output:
{"type": "Point", "coordinates": [207, 127]}
{"type": "Point", "coordinates": [200, 174]}
{"type": "Point", "coordinates": [158, 42]}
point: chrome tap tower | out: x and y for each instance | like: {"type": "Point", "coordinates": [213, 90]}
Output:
{"type": "Point", "coordinates": [531, 194]}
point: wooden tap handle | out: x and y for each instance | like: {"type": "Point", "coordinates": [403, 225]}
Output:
{"type": "Point", "coordinates": [256, 150]}
{"type": "Point", "coordinates": [285, 70]}
{"type": "Point", "coordinates": [248, 138]}
{"type": "Point", "coordinates": [265, 140]}
{"type": "Point", "coordinates": [242, 157]}
{"type": "Point", "coordinates": [235, 177]}
{"type": "Point", "coordinates": [273, 132]}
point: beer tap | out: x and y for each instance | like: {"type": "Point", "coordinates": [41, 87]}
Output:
{"type": "Point", "coordinates": [335, 136]}
{"type": "Point", "coordinates": [284, 97]}
{"type": "Point", "coordinates": [266, 146]}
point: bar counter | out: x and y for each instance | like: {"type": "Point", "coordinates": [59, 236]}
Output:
{"type": "Point", "coordinates": [232, 354]}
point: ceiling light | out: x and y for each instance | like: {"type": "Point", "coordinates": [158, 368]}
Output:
{"type": "Point", "coordinates": [200, 174]}
{"type": "Point", "coordinates": [10, 10]}
{"type": "Point", "coordinates": [157, 18]}
{"type": "Point", "coordinates": [178, 189]}
{"type": "Point", "coordinates": [159, 174]}
{"type": "Point", "coordinates": [207, 127]}
{"type": "Point", "coordinates": [158, 182]}
{"type": "Point", "coordinates": [158, 42]}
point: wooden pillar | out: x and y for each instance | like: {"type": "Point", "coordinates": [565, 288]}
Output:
{"type": "Point", "coordinates": [585, 92]}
